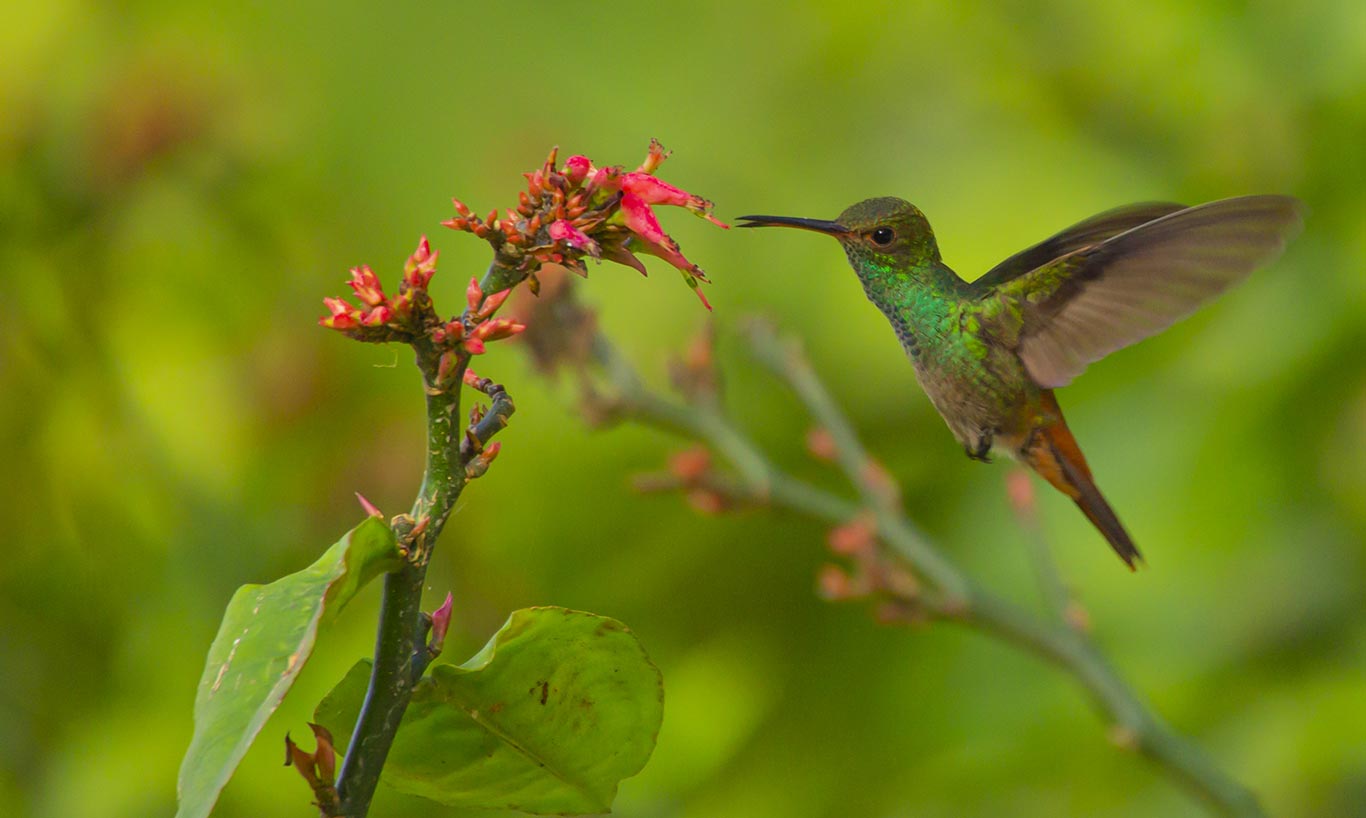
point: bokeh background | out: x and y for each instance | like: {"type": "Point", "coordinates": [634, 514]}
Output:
{"type": "Point", "coordinates": [180, 184]}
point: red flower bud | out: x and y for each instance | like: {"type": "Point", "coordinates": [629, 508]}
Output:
{"type": "Point", "coordinates": [691, 464]}
{"type": "Point", "coordinates": [441, 622]}
{"type": "Point", "coordinates": [343, 317]}
{"type": "Point", "coordinates": [497, 329]}
{"type": "Point", "coordinates": [577, 168]}
{"type": "Point", "coordinates": [858, 536]}
{"type": "Point", "coordinates": [366, 285]}
{"type": "Point", "coordinates": [821, 444]}
{"type": "Point", "coordinates": [706, 501]}
{"type": "Point", "coordinates": [378, 317]}
{"type": "Point", "coordinates": [493, 302]}
{"type": "Point", "coordinates": [835, 583]}
{"type": "Point", "coordinates": [369, 506]}
{"type": "Point", "coordinates": [565, 231]}
{"type": "Point", "coordinates": [420, 267]}
{"type": "Point", "coordinates": [446, 365]}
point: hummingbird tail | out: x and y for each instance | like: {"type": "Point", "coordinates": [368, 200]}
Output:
{"type": "Point", "coordinates": [1055, 455]}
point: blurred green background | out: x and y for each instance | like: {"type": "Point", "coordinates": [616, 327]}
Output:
{"type": "Point", "coordinates": [183, 183]}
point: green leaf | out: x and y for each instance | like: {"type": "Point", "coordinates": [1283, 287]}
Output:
{"type": "Point", "coordinates": [555, 710]}
{"type": "Point", "coordinates": [266, 637]}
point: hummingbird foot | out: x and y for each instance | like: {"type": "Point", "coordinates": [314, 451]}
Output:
{"type": "Point", "coordinates": [980, 450]}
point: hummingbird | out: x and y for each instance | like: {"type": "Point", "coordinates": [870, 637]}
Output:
{"type": "Point", "coordinates": [990, 352]}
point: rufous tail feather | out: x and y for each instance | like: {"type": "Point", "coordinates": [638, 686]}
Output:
{"type": "Point", "coordinates": [1053, 453]}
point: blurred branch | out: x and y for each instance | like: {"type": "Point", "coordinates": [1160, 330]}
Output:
{"type": "Point", "coordinates": [1020, 487]}
{"type": "Point", "coordinates": [897, 563]}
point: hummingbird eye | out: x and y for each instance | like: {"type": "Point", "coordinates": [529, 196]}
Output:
{"type": "Point", "coordinates": [883, 236]}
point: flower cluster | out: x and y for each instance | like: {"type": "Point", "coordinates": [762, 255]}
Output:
{"type": "Point", "coordinates": [410, 314]}
{"type": "Point", "coordinates": [381, 318]}
{"type": "Point", "coordinates": [477, 325]}
{"type": "Point", "coordinates": [577, 210]}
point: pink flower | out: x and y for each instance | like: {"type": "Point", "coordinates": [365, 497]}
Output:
{"type": "Point", "coordinates": [652, 192]}
{"type": "Point", "coordinates": [580, 210]}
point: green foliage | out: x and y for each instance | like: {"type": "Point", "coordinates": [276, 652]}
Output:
{"type": "Point", "coordinates": [557, 708]}
{"type": "Point", "coordinates": [266, 638]}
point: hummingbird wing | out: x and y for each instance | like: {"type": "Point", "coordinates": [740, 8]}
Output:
{"type": "Point", "coordinates": [1095, 300]}
{"type": "Point", "coordinates": [1084, 233]}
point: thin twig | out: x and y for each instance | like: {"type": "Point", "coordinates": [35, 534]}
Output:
{"type": "Point", "coordinates": [1052, 589]}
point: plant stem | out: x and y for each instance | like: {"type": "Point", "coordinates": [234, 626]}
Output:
{"type": "Point", "coordinates": [400, 653]}
{"type": "Point", "coordinates": [392, 675]}
{"type": "Point", "coordinates": [391, 686]}
{"type": "Point", "coordinates": [955, 596]}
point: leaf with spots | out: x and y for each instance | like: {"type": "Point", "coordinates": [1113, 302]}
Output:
{"type": "Point", "coordinates": [556, 709]}
{"type": "Point", "coordinates": [267, 635]}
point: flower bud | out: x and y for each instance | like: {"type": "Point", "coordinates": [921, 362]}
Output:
{"type": "Point", "coordinates": [441, 622]}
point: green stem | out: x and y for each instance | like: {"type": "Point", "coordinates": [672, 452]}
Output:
{"type": "Point", "coordinates": [400, 655]}
{"type": "Point", "coordinates": [401, 625]}
{"type": "Point", "coordinates": [391, 686]}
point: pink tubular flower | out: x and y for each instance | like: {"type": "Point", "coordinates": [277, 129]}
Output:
{"type": "Point", "coordinates": [652, 192]}
{"type": "Point", "coordinates": [579, 210]}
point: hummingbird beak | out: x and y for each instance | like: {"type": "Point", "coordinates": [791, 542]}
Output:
{"type": "Point", "coordinates": [829, 228]}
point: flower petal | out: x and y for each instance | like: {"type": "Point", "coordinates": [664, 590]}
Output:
{"type": "Point", "coordinates": [565, 231]}
{"type": "Point", "coordinates": [653, 191]}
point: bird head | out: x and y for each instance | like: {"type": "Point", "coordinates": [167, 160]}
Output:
{"type": "Point", "coordinates": [880, 235]}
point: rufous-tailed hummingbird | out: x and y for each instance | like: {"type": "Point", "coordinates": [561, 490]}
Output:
{"type": "Point", "coordinates": [990, 352]}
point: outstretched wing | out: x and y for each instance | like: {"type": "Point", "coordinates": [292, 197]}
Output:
{"type": "Point", "coordinates": [1083, 306]}
{"type": "Point", "coordinates": [1094, 230]}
